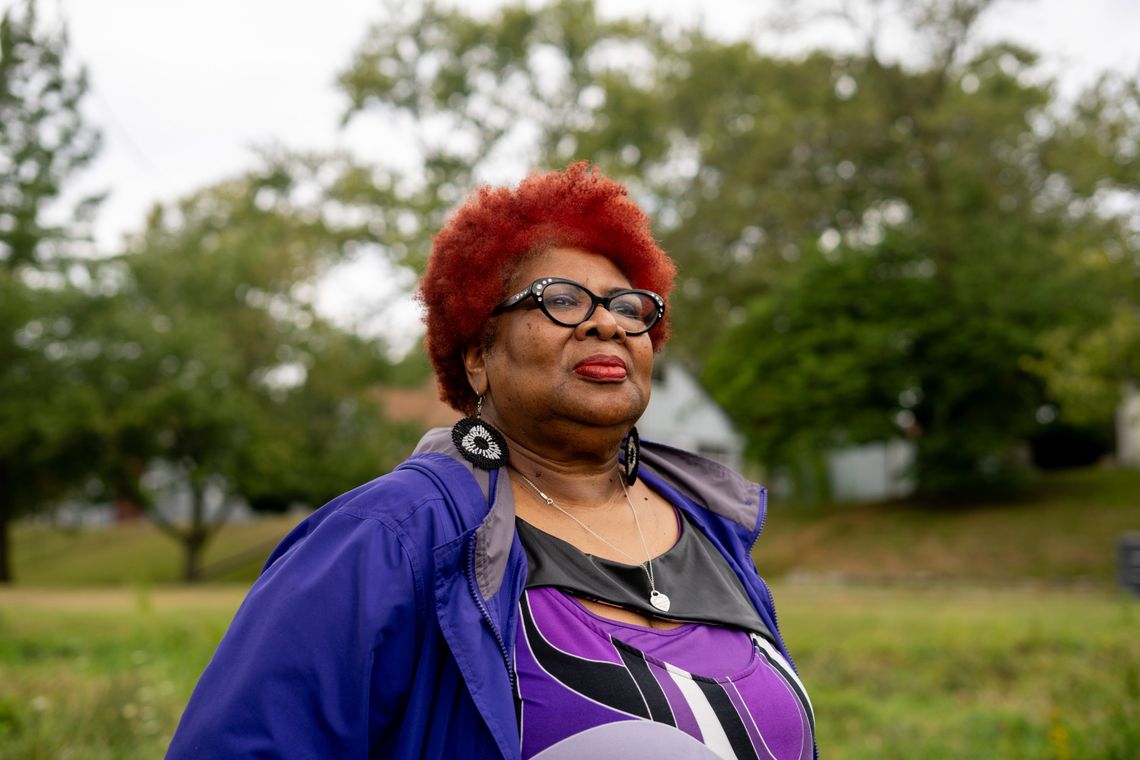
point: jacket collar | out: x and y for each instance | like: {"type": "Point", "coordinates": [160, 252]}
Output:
{"type": "Point", "coordinates": [496, 533]}
{"type": "Point", "coordinates": [722, 491]}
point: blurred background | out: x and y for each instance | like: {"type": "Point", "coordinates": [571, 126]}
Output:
{"type": "Point", "coordinates": [908, 236]}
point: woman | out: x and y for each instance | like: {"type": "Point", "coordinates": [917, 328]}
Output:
{"type": "Point", "coordinates": [532, 583]}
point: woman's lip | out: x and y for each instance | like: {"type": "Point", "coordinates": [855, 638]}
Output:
{"type": "Point", "coordinates": [601, 360]}
{"type": "Point", "coordinates": [602, 367]}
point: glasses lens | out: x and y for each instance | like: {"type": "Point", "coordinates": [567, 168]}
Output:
{"type": "Point", "coordinates": [569, 304]}
{"type": "Point", "coordinates": [635, 312]}
{"type": "Point", "coordinates": [566, 303]}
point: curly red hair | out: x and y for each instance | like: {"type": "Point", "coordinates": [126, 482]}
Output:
{"type": "Point", "coordinates": [477, 250]}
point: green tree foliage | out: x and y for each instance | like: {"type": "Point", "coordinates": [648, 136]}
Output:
{"type": "Point", "coordinates": [922, 300]}
{"type": "Point", "coordinates": [195, 363]}
{"type": "Point", "coordinates": [43, 139]}
{"type": "Point", "coordinates": [1087, 369]}
{"type": "Point", "coordinates": [217, 375]}
{"type": "Point", "coordinates": [43, 142]}
{"type": "Point", "coordinates": [867, 249]}
{"type": "Point", "coordinates": [1087, 364]}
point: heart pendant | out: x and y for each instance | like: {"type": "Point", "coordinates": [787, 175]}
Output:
{"type": "Point", "coordinates": [659, 600]}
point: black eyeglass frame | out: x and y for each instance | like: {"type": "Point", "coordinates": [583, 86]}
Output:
{"type": "Point", "coordinates": [536, 288]}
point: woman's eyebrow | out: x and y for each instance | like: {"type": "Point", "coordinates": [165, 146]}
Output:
{"type": "Point", "coordinates": [606, 292]}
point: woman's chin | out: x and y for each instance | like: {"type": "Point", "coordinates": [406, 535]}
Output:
{"type": "Point", "coordinates": [615, 414]}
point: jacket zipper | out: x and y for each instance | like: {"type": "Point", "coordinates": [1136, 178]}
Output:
{"type": "Point", "coordinates": [764, 583]}
{"type": "Point", "coordinates": [478, 597]}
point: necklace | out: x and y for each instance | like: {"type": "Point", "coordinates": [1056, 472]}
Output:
{"type": "Point", "coordinates": [656, 598]}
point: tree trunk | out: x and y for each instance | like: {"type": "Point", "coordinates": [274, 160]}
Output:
{"type": "Point", "coordinates": [196, 535]}
{"type": "Point", "coordinates": [193, 543]}
{"type": "Point", "coordinates": [5, 555]}
{"type": "Point", "coordinates": [193, 537]}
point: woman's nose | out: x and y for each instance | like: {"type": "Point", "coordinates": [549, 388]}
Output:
{"type": "Point", "coordinates": [603, 324]}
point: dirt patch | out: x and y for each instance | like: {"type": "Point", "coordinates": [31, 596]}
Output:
{"type": "Point", "coordinates": [124, 599]}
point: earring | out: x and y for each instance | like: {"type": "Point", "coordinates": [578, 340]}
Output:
{"type": "Point", "coordinates": [480, 443]}
{"type": "Point", "coordinates": [631, 449]}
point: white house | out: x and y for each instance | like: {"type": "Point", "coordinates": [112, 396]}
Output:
{"type": "Point", "coordinates": [871, 472]}
{"type": "Point", "coordinates": [681, 414]}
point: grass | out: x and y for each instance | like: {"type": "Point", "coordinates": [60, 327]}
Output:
{"type": "Point", "coordinates": [1062, 531]}
{"type": "Point", "coordinates": [966, 673]}
{"type": "Point", "coordinates": [102, 673]}
{"type": "Point", "coordinates": [138, 553]}
{"type": "Point", "coordinates": [893, 673]}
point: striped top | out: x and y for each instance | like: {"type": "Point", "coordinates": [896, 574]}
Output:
{"type": "Point", "coordinates": [589, 687]}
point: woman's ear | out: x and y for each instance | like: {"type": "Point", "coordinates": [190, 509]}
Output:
{"type": "Point", "coordinates": [475, 362]}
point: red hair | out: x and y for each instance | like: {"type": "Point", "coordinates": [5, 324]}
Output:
{"type": "Point", "coordinates": [477, 250]}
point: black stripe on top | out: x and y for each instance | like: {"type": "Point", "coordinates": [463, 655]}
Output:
{"type": "Point", "coordinates": [608, 683]}
{"type": "Point", "coordinates": [654, 695]}
{"type": "Point", "coordinates": [729, 718]}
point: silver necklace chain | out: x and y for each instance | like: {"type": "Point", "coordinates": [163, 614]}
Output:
{"type": "Point", "coordinates": [656, 598]}
{"type": "Point", "coordinates": [648, 560]}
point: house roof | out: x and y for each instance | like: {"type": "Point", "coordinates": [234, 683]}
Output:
{"type": "Point", "coordinates": [419, 405]}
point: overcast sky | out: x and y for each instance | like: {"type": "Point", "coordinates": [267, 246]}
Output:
{"type": "Point", "coordinates": [184, 89]}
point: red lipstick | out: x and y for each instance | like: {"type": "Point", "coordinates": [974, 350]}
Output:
{"type": "Point", "coordinates": [602, 368]}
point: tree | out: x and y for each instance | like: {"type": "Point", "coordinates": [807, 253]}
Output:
{"type": "Point", "coordinates": [861, 243]}
{"type": "Point", "coordinates": [1087, 370]}
{"type": "Point", "coordinates": [219, 379]}
{"type": "Point", "coordinates": [924, 299]}
{"type": "Point", "coordinates": [43, 139]}
{"type": "Point", "coordinates": [1086, 365]}
{"type": "Point", "coordinates": [44, 438]}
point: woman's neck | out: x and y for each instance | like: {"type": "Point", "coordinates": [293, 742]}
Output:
{"type": "Point", "coordinates": [580, 482]}
{"type": "Point", "coordinates": [573, 463]}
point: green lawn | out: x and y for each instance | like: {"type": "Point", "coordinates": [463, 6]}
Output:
{"type": "Point", "coordinates": [966, 673]}
{"type": "Point", "coordinates": [1064, 530]}
{"type": "Point", "coordinates": [138, 553]}
{"type": "Point", "coordinates": [102, 673]}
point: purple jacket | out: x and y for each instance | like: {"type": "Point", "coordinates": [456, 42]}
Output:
{"type": "Point", "coordinates": [383, 624]}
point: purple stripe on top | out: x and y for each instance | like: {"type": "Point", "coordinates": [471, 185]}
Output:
{"type": "Point", "coordinates": [555, 619]}
{"type": "Point", "coordinates": [682, 712]}
{"type": "Point", "coordinates": [758, 742]}
{"type": "Point", "coordinates": [782, 721]}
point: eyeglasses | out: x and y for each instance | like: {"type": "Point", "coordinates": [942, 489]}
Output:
{"type": "Point", "coordinates": [569, 304]}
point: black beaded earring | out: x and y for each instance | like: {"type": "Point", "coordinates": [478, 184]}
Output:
{"type": "Point", "coordinates": [480, 443]}
{"type": "Point", "coordinates": [631, 449]}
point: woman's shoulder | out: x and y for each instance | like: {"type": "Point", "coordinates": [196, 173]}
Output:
{"type": "Point", "coordinates": [411, 495]}
{"type": "Point", "coordinates": [420, 481]}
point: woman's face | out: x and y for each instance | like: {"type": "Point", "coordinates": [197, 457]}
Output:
{"type": "Point", "coordinates": [538, 374]}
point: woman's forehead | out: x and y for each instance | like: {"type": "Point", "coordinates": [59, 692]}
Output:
{"type": "Point", "coordinates": [593, 270]}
